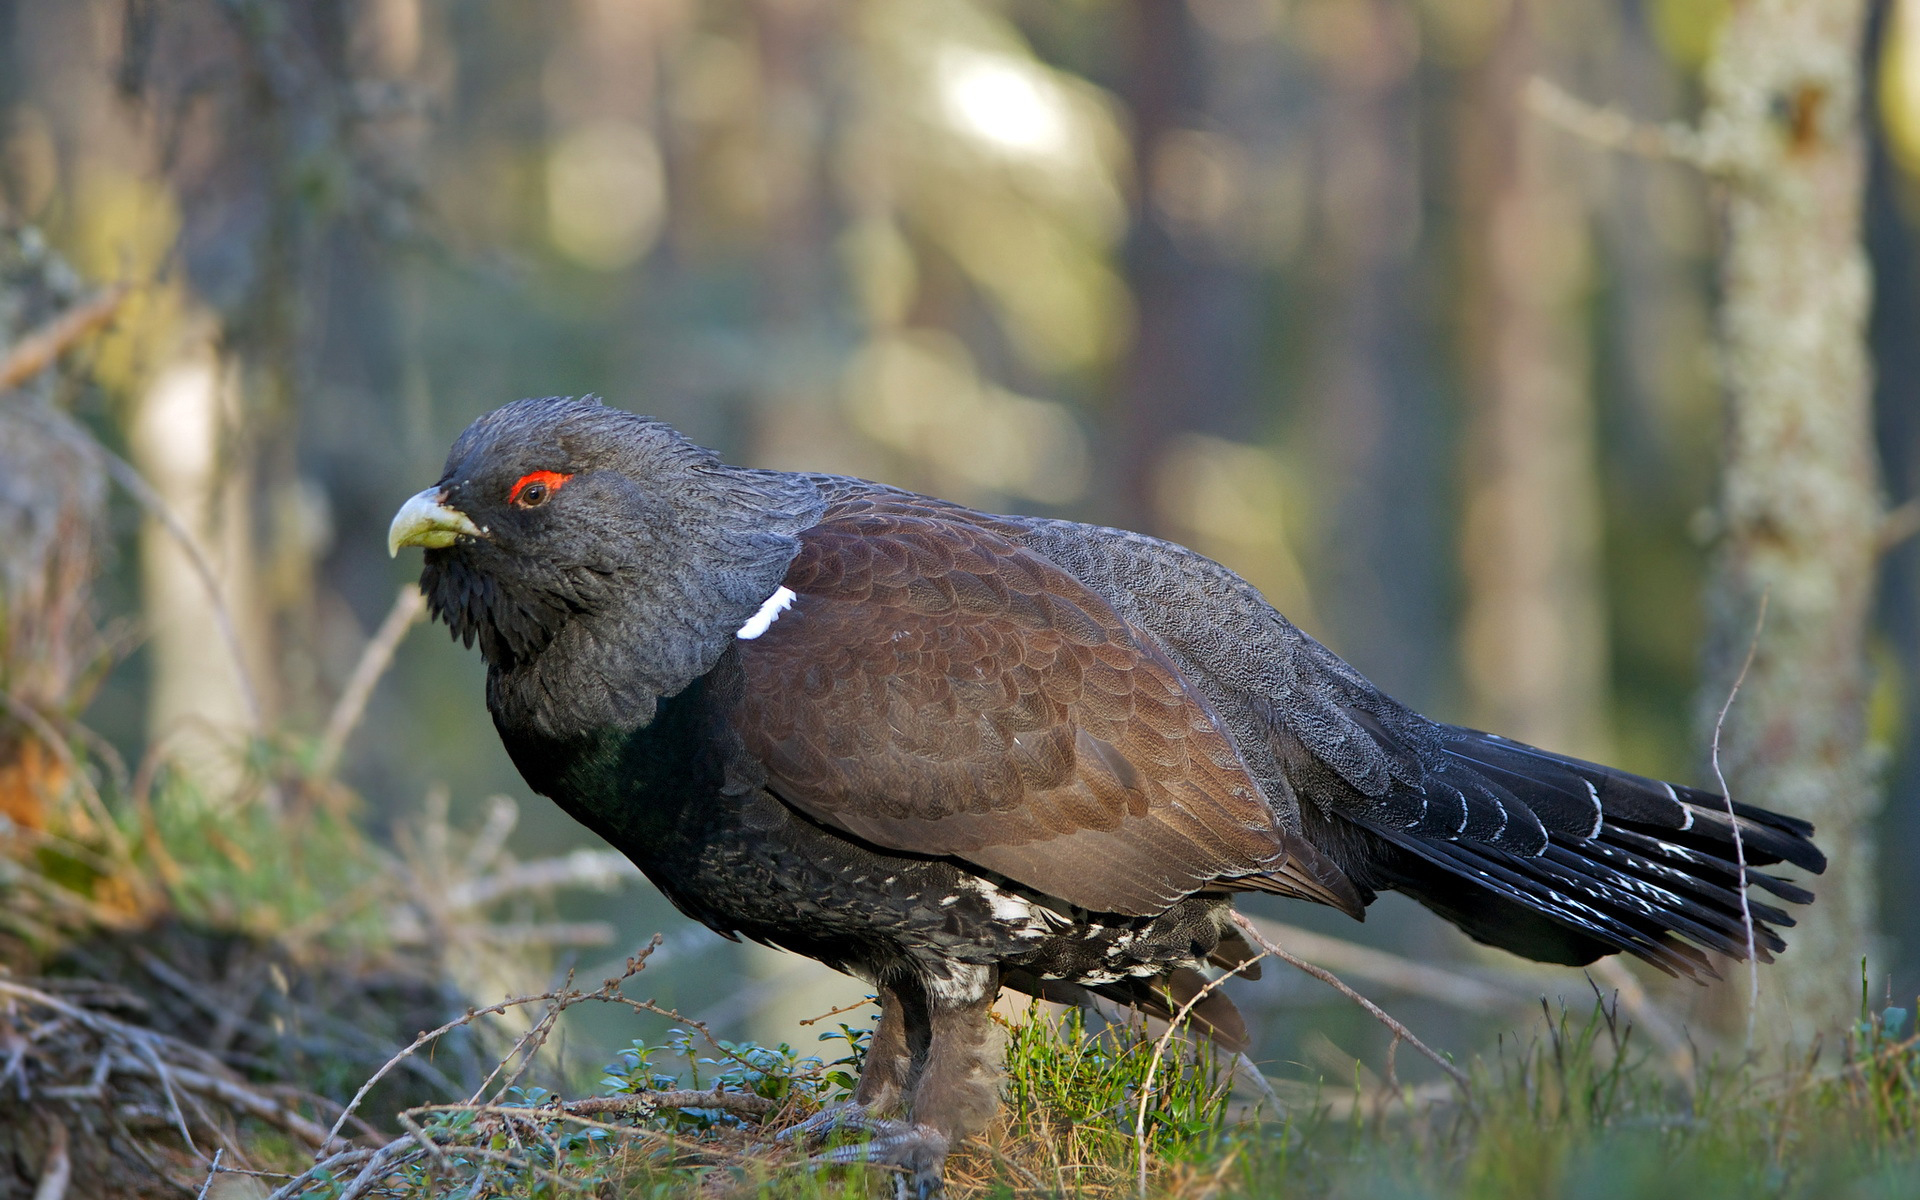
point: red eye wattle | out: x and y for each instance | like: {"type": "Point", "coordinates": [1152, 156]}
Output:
{"type": "Point", "coordinates": [532, 490]}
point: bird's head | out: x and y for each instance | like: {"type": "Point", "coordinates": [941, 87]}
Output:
{"type": "Point", "coordinates": [557, 515]}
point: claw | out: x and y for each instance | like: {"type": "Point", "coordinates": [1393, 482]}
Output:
{"type": "Point", "coordinates": [919, 1151]}
{"type": "Point", "coordinates": [835, 1118]}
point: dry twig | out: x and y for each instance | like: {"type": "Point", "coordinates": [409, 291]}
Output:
{"type": "Point", "coordinates": [1327, 977]}
{"type": "Point", "coordinates": [1159, 1051]}
{"type": "Point", "coordinates": [407, 610]}
{"type": "Point", "coordinates": [558, 999]}
{"type": "Point", "coordinates": [834, 1012]}
{"type": "Point", "coordinates": [1612, 129]}
{"type": "Point", "coordinates": [1739, 844]}
{"type": "Point", "coordinates": [135, 484]}
{"type": "Point", "coordinates": [1471, 993]}
{"type": "Point", "coordinates": [36, 352]}
{"type": "Point", "coordinates": [58, 1171]}
{"type": "Point", "coordinates": [742, 1104]}
{"type": "Point", "coordinates": [1900, 523]}
{"type": "Point", "coordinates": [213, 1170]}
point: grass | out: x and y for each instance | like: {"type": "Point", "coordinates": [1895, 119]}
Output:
{"type": "Point", "coordinates": [1574, 1111]}
{"type": "Point", "coordinates": [1578, 1107]}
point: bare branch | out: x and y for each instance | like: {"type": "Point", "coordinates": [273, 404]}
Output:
{"type": "Point", "coordinates": [58, 1171]}
{"type": "Point", "coordinates": [36, 352]}
{"type": "Point", "coordinates": [213, 1169]}
{"type": "Point", "coordinates": [1327, 977]}
{"type": "Point", "coordinates": [407, 610]}
{"type": "Point", "coordinates": [639, 1104]}
{"type": "Point", "coordinates": [1611, 129]}
{"type": "Point", "coordinates": [862, 1002]}
{"type": "Point", "coordinates": [1899, 524]}
{"type": "Point", "coordinates": [1472, 993]}
{"type": "Point", "coordinates": [127, 476]}
{"type": "Point", "coordinates": [1153, 1064]}
{"type": "Point", "coordinates": [1739, 843]}
{"type": "Point", "coordinates": [607, 991]}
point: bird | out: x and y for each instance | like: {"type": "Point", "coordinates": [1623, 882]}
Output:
{"type": "Point", "coordinates": [950, 752]}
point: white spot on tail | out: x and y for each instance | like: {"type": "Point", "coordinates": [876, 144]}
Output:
{"type": "Point", "coordinates": [1599, 813]}
{"type": "Point", "coordinates": [769, 612]}
{"type": "Point", "coordinates": [1686, 810]}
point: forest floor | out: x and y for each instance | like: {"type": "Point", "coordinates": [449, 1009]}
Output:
{"type": "Point", "coordinates": [237, 996]}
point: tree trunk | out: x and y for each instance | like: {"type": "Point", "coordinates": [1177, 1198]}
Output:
{"type": "Point", "coordinates": [1534, 640]}
{"type": "Point", "coordinates": [1374, 424]}
{"type": "Point", "coordinates": [1183, 369]}
{"type": "Point", "coordinates": [1894, 248]}
{"type": "Point", "coordinates": [1800, 508]}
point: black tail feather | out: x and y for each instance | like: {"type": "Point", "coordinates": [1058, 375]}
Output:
{"type": "Point", "coordinates": [1631, 864]}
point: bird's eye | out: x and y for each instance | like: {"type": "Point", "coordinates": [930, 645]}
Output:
{"type": "Point", "coordinates": [533, 490]}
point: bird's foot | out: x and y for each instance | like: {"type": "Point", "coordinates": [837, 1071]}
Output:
{"type": "Point", "coordinates": [918, 1151]}
{"type": "Point", "coordinates": [834, 1118]}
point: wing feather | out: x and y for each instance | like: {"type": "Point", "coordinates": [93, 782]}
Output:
{"type": "Point", "coordinates": [936, 688]}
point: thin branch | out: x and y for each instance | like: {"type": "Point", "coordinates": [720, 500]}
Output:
{"type": "Point", "coordinates": [1153, 1065]}
{"type": "Point", "coordinates": [37, 351]}
{"type": "Point", "coordinates": [532, 1041]}
{"type": "Point", "coordinates": [151, 1062]}
{"type": "Point", "coordinates": [468, 1018]}
{"type": "Point", "coordinates": [639, 1104]}
{"type": "Point", "coordinates": [1611, 129]}
{"type": "Point", "coordinates": [1468, 992]}
{"type": "Point", "coordinates": [1900, 523]}
{"type": "Point", "coordinates": [385, 1160]}
{"type": "Point", "coordinates": [834, 1012]}
{"type": "Point", "coordinates": [421, 1139]}
{"type": "Point", "coordinates": [607, 991]}
{"type": "Point", "coordinates": [1739, 843]}
{"type": "Point", "coordinates": [213, 1169]}
{"type": "Point", "coordinates": [58, 1171]}
{"type": "Point", "coordinates": [407, 609]}
{"type": "Point", "coordinates": [674, 1015]}
{"type": "Point", "coordinates": [326, 1167]}
{"type": "Point", "coordinates": [136, 485]}
{"type": "Point", "coordinates": [1327, 977]}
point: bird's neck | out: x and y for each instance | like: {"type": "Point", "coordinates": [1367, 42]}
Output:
{"type": "Point", "coordinates": [635, 786]}
{"type": "Point", "coordinates": [669, 622]}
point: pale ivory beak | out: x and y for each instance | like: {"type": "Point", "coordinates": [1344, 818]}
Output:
{"type": "Point", "coordinates": [425, 521]}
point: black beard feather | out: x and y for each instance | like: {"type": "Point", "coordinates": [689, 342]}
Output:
{"type": "Point", "coordinates": [513, 623]}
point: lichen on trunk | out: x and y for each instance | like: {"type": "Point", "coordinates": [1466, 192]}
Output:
{"type": "Point", "coordinates": [1800, 507]}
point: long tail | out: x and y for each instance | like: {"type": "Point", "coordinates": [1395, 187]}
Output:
{"type": "Point", "coordinates": [1657, 877]}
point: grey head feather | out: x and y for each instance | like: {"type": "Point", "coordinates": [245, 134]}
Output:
{"type": "Point", "coordinates": [638, 570]}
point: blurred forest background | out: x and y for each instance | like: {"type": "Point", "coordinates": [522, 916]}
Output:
{"type": "Point", "coordinates": [1331, 290]}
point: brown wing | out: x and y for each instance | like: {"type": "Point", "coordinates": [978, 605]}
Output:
{"type": "Point", "coordinates": [938, 689]}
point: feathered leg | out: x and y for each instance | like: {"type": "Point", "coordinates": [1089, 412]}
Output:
{"type": "Point", "coordinates": [896, 1051]}
{"type": "Point", "coordinates": [941, 1054]}
{"type": "Point", "coordinates": [895, 1054]}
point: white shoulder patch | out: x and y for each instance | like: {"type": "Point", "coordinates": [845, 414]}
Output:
{"type": "Point", "coordinates": [769, 612]}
